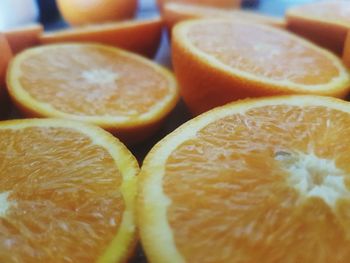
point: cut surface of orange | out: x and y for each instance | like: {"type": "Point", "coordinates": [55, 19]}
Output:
{"type": "Point", "coordinates": [176, 12]}
{"type": "Point", "coordinates": [23, 37]}
{"type": "Point", "coordinates": [141, 36]}
{"type": "Point", "coordinates": [263, 180]}
{"type": "Point", "coordinates": [218, 61]}
{"type": "Point", "coordinates": [78, 12]}
{"type": "Point", "coordinates": [122, 92]}
{"type": "Point", "coordinates": [67, 193]}
{"type": "Point", "coordinates": [215, 3]}
{"type": "Point", "coordinates": [325, 23]}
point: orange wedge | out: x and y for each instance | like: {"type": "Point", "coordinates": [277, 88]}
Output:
{"type": "Point", "coordinates": [123, 93]}
{"type": "Point", "coordinates": [67, 193]}
{"type": "Point", "coordinates": [215, 3]}
{"type": "Point", "coordinates": [326, 23]}
{"type": "Point", "coordinates": [176, 12]}
{"type": "Point", "coordinates": [218, 61]}
{"type": "Point", "coordinates": [78, 12]}
{"type": "Point", "coordinates": [142, 36]}
{"type": "Point", "coordinates": [263, 180]}
{"type": "Point", "coordinates": [24, 37]}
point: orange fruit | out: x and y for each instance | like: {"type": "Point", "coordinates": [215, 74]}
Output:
{"type": "Point", "coordinates": [23, 37]}
{"type": "Point", "coordinates": [6, 55]}
{"type": "Point", "coordinates": [346, 52]}
{"type": "Point", "coordinates": [142, 36]}
{"type": "Point", "coordinates": [176, 12]}
{"type": "Point", "coordinates": [219, 61]}
{"type": "Point", "coordinates": [67, 193]}
{"type": "Point", "coordinates": [122, 92]}
{"type": "Point", "coordinates": [326, 23]}
{"type": "Point", "coordinates": [79, 12]}
{"type": "Point", "coordinates": [215, 3]}
{"type": "Point", "coordinates": [262, 180]}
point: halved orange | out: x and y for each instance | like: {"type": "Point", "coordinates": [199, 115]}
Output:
{"type": "Point", "coordinates": [176, 12]}
{"type": "Point", "coordinates": [23, 37]}
{"type": "Point", "coordinates": [78, 12]}
{"type": "Point", "coordinates": [67, 193]}
{"type": "Point", "coordinates": [326, 23]}
{"type": "Point", "coordinates": [122, 92]}
{"type": "Point", "coordinates": [218, 61]}
{"type": "Point", "coordinates": [264, 180]}
{"type": "Point", "coordinates": [140, 36]}
{"type": "Point", "coordinates": [227, 4]}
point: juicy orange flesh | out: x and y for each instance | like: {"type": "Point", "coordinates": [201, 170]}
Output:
{"type": "Point", "coordinates": [91, 81]}
{"type": "Point", "coordinates": [263, 52]}
{"type": "Point", "coordinates": [329, 10]}
{"type": "Point", "coordinates": [231, 200]}
{"type": "Point", "coordinates": [65, 205]}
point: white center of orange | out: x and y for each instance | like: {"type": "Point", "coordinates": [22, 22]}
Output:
{"type": "Point", "coordinates": [4, 203]}
{"type": "Point", "coordinates": [315, 177]}
{"type": "Point", "coordinates": [100, 76]}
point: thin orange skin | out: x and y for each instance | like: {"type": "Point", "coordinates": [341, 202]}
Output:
{"type": "Point", "coordinates": [346, 52]}
{"type": "Point", "coordinates": [203, 86]}
{"type": "Point", "coordinates": [328, 35]}
{"type": "Point", "coordinates": [129, 135]}
{"type": "Point", "coordinates": [5, 57]}
{"type": "Point", "coordinates": [23, 37]}
{"type": "Point", "coordinates": [75, 12]}
{"type": "Point", "coordinates": [140, 37]}
{"type": "Point", "coordinates": [215, 3]}
{"type": "Point", "coordinates": [172, 17]}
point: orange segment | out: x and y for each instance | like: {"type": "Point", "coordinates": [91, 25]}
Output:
{"type": "Point", "coordinates": [176, 12]}
{"type": "Point", "coordinates": [77, 12]}
{"type": "Point", "coordinates": [313, 20]}
{"type": "Point", "coordinates": [218, 61]}
{"type": "Point", "coordinates": [67, 193]}
{"type": "Point", "coordinates": [142, 36]}
{"type": "Point", "coordinates": [263, 180]}
{"type": "Point", "coordinates": [24, 37]}
{"type": "Point", "coordinates": [119, 91]}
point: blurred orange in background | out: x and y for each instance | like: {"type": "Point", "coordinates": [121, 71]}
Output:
{"type": "Point", "coordinates": [79, 12]}
{"type": "Point", "coordinates": [215, 3]}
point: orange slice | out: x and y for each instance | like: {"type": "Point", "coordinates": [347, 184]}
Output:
{"type": "Point", "coordinates": [215, 3]}
{"type": "Point", "coordinates": [142, 36]}
{"type": "Point", "coordinates": [176, 12]}
{"type": "Point", "coordinates": [24, 37]}
{"type": "Point", "coordinates": [263, 180]}
{"type": "Point", "coordinates": [67, 193]}
{"type": "Point", "coordinates": [325, 23]}
{"type": "Point", "coordinates": [77, 12]}
{"type": "Point", "coordinates": [218, 61]}
{"type": "Point", "coordinates": [123, 93]}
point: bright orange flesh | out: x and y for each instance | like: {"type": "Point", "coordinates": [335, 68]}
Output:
{"type": "Point", "coordinates": [313, 20]}
{"type": "Point", "coordinates": [142, 36]}
{"type": "Point", "coordinates": [61, 195]}
{"type": "Point", "coordinates": [122, 92]}
{"type": "Point", "coordinates": [236, 206]}
{"type": "Point", "coordinates": [77, 12]}
{"type": "Point", "coordinates": [218, 61]}
{"type": "Point", "coordinates": [257, 181]}
{"type": "Point", "coordinates": [23, 37]}
{"type": "Point", "coordinates": [176, 12]}
{"type": "Point", "coordinates": [287, 59]}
